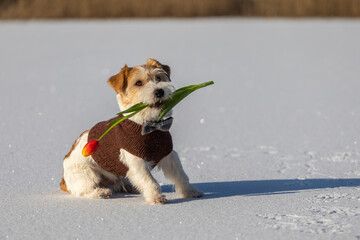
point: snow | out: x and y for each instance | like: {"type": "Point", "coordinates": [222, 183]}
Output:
{"type": "Point", "coordinates": [274, 144]}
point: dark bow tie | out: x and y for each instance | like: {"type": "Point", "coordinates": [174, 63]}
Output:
{"type": "Point", "coordinates": [163, 125]}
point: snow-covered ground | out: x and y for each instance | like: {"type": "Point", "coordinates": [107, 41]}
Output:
{"type": "Point", "coordinates": [274, 143]}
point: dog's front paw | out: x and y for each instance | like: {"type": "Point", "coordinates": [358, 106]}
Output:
{"type": "Point", "coordinates": [159, 199]}
{"type": "Point", "coordinates": [190, 192]}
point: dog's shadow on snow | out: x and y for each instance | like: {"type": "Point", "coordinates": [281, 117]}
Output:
{"type": "Point", "coordinates": [262, 187]}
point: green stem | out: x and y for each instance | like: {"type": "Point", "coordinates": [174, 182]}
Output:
{"type": "Point", "coordinates": [117, 122]}
{"type": "Point", "coordinates": [176, 97]}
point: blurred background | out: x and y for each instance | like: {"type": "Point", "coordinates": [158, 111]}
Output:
{"type": "Point", "coordinates": [28, 9]}
{"type": "Point", "coordinates": [285, 108]}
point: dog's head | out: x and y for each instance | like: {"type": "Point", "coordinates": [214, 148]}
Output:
{"type": "Point", "coordinates": [148, 83]}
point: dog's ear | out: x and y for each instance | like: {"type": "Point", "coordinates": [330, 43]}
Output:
{"type": "Point", "coordinates": [157, 64]}
{"type": "Point", "coordinates": [118, 82]}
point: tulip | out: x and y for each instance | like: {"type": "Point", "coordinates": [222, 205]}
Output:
{"type": "Point", "coordinates": [176, 97]}
{"type": "Point", "coordinates": [90, 148]}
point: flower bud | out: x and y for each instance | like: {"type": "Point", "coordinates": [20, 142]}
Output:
{"type": "Point", "coordinates": [90, 148]}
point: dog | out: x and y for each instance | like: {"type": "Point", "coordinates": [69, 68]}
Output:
{"type": "Point", "coordinates": [124, 169]}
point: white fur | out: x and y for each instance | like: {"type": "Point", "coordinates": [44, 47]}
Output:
{"type": "Point", "coordinates": [82, 175]}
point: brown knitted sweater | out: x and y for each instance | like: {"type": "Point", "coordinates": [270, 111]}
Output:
{"type": "Point", "coordinates": [127, 135]}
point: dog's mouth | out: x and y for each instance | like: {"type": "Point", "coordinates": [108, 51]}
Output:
{"type": "Point", "coordinates": [158, 105]}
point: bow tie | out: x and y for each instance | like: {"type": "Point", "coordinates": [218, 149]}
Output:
{"type": "Point", "coordinates": [163, 125]}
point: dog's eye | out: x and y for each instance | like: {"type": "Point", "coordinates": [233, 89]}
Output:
{"type": "Point", "coordinates": [139, 83]}
{"type": "Point", "coordinates": [158, 78]}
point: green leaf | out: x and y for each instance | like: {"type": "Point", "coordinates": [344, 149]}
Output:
{"type": "Point", "coordinates": [113, 121]}
{"type": "Point", "coordinates": [136, 107]}
{"type": "Point", "coordinates": [176, 97]}
{"type": "Point", "coordinates": [116, 122]}
{"type": "Point", "coordinates": [179, 95]}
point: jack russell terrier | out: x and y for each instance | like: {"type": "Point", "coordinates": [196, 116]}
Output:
{"type": "Point", "coordinates": [128, 152]}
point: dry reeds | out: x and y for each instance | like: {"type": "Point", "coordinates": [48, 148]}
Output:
{"type": "Point", "coordinates": [27, 9]}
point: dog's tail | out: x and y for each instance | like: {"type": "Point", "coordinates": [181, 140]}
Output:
{"type": "Point", "coordinates": [63, 186]}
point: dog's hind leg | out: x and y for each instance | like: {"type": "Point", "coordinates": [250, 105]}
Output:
{"type": "Point", "coordinates": [83, 181]}
{"type": "Point", "coordinates": [174, 171]}
{"type": "Point", "coordinates": [81, 174]}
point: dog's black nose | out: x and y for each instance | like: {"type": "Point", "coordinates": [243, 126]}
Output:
{"type": "Point", "coordinates": [159, 93]}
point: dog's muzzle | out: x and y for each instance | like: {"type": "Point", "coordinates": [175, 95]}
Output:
{"type": "Point", "coordinates": [163, 125]}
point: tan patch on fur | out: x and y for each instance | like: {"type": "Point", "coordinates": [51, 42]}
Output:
{"type": "Point", "coordinates": [63, 186]}
{"type": "Point", "coordinates": [157, 64]}
{"type": "Point", "coordinates": [132, 91]}
{"type": "Point", "coordinates": [118, 82]}
{"type": "Point", "coordinates": [124, 81]}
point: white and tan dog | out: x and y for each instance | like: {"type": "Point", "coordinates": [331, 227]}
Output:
{"type": "Point", "coordinates": [82, 176]}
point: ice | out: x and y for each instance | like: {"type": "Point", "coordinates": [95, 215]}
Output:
{"type": "Point", "coordinates": [273, 143]}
